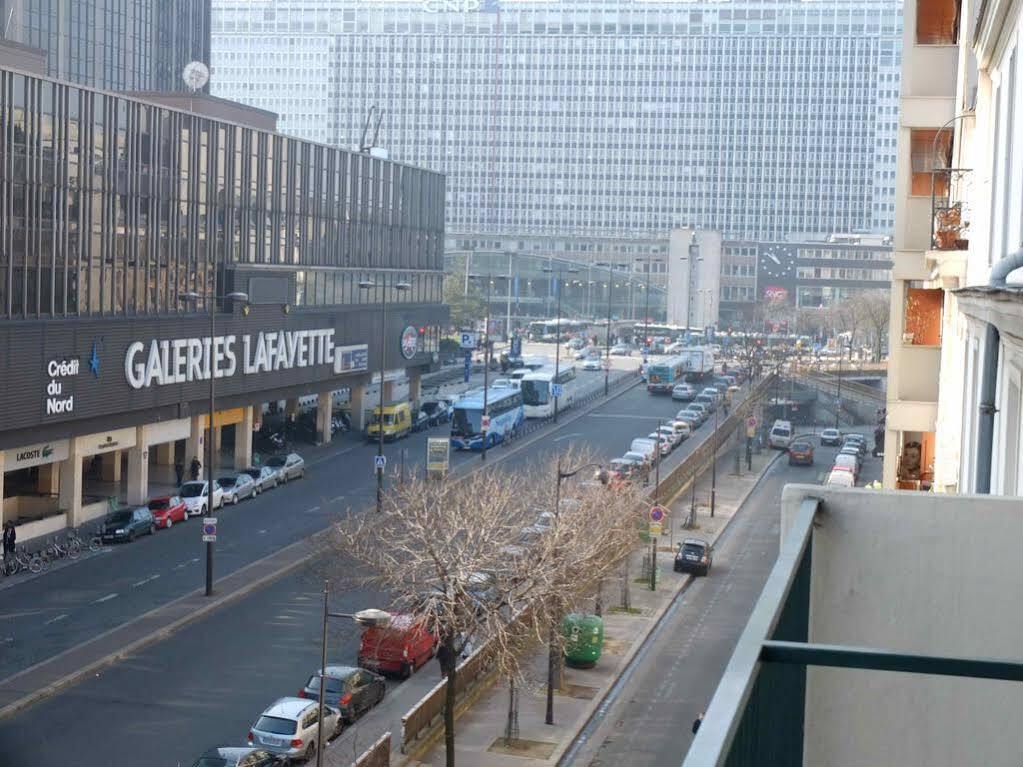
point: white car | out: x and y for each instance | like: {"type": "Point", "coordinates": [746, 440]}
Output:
{"type": "Point", "coordinates": [621, 350]}
{"type": "Point", "coordinates": [195, 496]}
{"type": "Point", "coordinates": [592, 363]}
{"type": "Point", "coordinates": [685, 431]}
{"type": "Point", "coordinates": [646, 447]}
{"type": "Point", "coordinates": [841, 478]}
{"type": "Point", "coordinates": [665, 444]}
{"type": "Point", "coordinates": [290, 727]}
{"type": "Point", "coordinates": [683, 391]}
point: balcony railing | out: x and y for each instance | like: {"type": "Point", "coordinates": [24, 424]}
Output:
{"type": "Point", "coordinates": [950, 208]}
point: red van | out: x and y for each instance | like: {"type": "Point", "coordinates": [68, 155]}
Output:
{"type": "Point", "coordinates": [399, 648]}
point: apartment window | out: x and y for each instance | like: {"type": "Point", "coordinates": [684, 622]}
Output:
{"type": "Point", "coordinates": [923, 316]}
{"type": "Point", "coordinates": [929, 150]}
{"type": "Point", "coordinates": [937, 22]}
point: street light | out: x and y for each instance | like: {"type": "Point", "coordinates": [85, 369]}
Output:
{"type": "Point", "coordinates": [557, 329]}
{"type": "Point", "coordinates": [486, 358]}
{"type": "Point", "coordinates": [369, 617]}
{"type": "Point", "coordinates": [399, 287]}
{"type": "Point", "coordinates": [210, 452]}
{"type": "Point", "coordinates": [553, 662]}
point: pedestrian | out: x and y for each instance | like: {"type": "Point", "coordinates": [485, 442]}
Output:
{"type": "Point", "coordinates": [10, 539]}
{"type": "Point", "coordinates": [179, 471]}
{"type": "Point", "coordinates": [193, 468]}
{"type": "Point", "coordinates": [697, 722]}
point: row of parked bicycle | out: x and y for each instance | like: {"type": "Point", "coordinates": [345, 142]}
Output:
{"type": "Point", "coordinates": [69, 547]}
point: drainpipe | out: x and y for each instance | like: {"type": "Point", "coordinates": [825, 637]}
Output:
{"type": "Point", "coordinates": [989, 379]}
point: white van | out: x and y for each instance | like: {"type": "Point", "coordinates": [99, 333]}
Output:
{"type": "Point", "coordinates": [781, 435]}
{"type": "Point", "coordinates": [646, 447]}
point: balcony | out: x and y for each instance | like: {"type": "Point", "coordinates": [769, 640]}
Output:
{"type": "Point", "coordinates": [865, 649]}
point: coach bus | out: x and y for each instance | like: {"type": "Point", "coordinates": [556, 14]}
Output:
{"type": "Point", "coordinates": [504, 408]}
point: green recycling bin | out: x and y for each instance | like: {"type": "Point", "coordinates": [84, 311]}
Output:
{"type": "Point", "coordinates": [584, 639]}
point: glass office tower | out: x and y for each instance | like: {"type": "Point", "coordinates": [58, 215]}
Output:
{"type": "Point", "coordinates": [760, 118]}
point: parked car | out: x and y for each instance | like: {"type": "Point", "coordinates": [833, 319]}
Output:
{"type": "Point", "coordinates": [694, 555]}
{"type": "Point", "coordinates": [265, 478]}
{"type": "Point", "coordinates": [684, 428]}
{"type": "Point", "coordinates": [288, 467]}
{"type": "Point", "coordinates": [841, 478]}
{"type": "Point", "coordinates": [831, 437]}
{"type": "Point", "coordinates": [700, 409]}
{"type": "Point", "coordinates": [439, 411]}
{"type": "Point", "coordinates": [715, 392]}
{"type": "Point", "coordinates": [709, 401]}
{"type": "Point", "coordinates": [234, 756]}
{"type": "Point", "coordinates": [857, 441]}
{"type": "Point", "coordinates": [593, 363]}
{"type": "Point", "coordinates": [127, 524]}
{"type": "Point", "coordinates": [683, 391]}
{"type": "Point", "coordinates": [668, 431]}
{"type": "Point", "coordinates": [642, 458]}
{"type": "Point", "coordinates": [854, 451]}
{"type": "Point", "coordinates": [237, 487]}
{"type": "Point", "coordinates": [167, 510]}
{"type": "Point", "coordinates": [801, 454]}
{"type": "Point", "coordinates": [626, 469]}
{"type": "Point", "coordinates": [195, 496]}
{"type": "Point", "coordinates": [621, 350]}
{"type": "Point", "coordinates": [353, 691]}
{"type": "Point", "coordinates": [576, 344]}
{"type": "Point", "coordinates": [290, 727]}
{"type": "Point", "coordinates": [398, 648]}
{"type": "Point", "coordinates": [646, 447]}
{"type": "Point", "coordinates": [665, 444]}
{"type": "Point", "coordinates": [850, 463]}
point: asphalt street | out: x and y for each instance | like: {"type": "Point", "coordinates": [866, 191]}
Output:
{"type": "Point", "coordinates": [649, 723]}
{"type": "Point", "coordinates": [207, 683]}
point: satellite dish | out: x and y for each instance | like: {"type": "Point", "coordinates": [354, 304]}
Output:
{"type": "Point", "coordinates": [195, 74]}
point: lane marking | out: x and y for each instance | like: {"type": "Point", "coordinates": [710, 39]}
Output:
{"type": "Point", "coordinates": [568, 436]}
{"type": "Point", "coordinates": [60, 617]}
{"type": "Point", "coordinates": [313, 510]}
{"type": "Point", "coordinates": [630, 417]}
{"type": "Point", "coordinates": [182, 565]}
{"type": "Point", "coordinates": [261, 532]}
{"type": "Point", "coordinates": [144, 581]}
{"type": "Point", "coordinates": [336, 498]}
{"type": "Point", "coordinates": [107, 598]}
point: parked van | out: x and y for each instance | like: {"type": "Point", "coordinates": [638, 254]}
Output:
{"type": "Point", "coordinates": [400, 647]}
{"type": "Point", "coordinates": [397, 422]}
{"type": "Point", "coordinates": [645, 447]}
{"type": "Point", "coordinates": [781, 435]}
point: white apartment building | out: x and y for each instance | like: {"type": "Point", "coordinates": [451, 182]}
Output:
{"type": "Point", "coordinates": [956, 372]}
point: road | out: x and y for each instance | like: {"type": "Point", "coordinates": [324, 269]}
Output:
{"type": "Point", "coordinates": [208, 682]}
{"type": "Point", "coordinates": [674, 677]}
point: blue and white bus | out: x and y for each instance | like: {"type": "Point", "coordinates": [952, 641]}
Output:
{"type": "Point", "coordinates": [537, 394]}
{"type": "Point", "coordinates": [661, 376]}
{"type": "Point", "coordinates": [504, 406]}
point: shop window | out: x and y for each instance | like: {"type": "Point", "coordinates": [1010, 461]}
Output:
{"type": "Point", "coordinates": [923, 316]}
{"type": "Point", "coordinates": [937, 22]}
{"type": "Point", "coordinates": [930, 150]}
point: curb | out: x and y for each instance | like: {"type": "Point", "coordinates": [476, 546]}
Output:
{"type": "Point", "coordinates": [638, 643]}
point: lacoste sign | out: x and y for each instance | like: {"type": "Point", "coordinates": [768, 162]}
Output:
{"type": "Point", "coordinates": [35, 455]}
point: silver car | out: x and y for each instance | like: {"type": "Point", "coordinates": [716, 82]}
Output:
{"type": "Point", "coordinates": [237, 487]}
{"type": "Point", "coordinates": [264, 477]}
{"type": "Point", "coordinates": [290, 727]}
{"type": "Point", "coordinates": [290, 466]}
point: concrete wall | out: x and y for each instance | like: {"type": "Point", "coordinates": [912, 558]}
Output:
{"type": "Point", "coordinates": [921, 573]}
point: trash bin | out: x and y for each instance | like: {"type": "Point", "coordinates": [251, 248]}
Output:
{"type": "Point", "coordinates": [584, 639]}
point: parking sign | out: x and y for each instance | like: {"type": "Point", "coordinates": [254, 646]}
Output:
{"type": "Point", "coordinates": [468, 339]}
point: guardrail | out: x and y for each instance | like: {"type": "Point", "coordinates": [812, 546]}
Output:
{"type": "Point", "coordinates": [377, 755]}
{"type": "Point", "coordinates": [852, 388]}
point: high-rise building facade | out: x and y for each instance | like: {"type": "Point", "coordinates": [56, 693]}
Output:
{"type": "Point", "coordinates": [122, 45]}
{"type": "Point", "coordinates": [599, 118]}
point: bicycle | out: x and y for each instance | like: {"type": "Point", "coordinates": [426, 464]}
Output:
{"type": "Point", "coordinates": [95, 543]}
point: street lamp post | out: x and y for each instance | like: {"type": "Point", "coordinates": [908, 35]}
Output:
{"type": "Point", "coordinates": [714, 465]}
{"type": "Point", "coordinates": [212, 297]}
{"type": "Point", "coordinates": [552, 644]}
{"type": "Point", "coordinates": [400, 287]}
{"type": "Point", "coordinates": [557, 330]}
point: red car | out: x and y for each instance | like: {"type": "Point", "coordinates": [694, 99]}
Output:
{"type": "Point", "coordinates": [168, 510]}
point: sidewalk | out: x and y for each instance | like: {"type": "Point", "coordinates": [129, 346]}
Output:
{"type": "Point", "coordinates": [480, 730]}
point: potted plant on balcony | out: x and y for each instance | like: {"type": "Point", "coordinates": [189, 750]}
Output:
{"type": "Point", "coordinates": [949, 225]}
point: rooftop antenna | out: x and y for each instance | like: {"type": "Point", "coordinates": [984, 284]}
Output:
{"type": "Point", "coordinates": [363, 146]}
{"type": "Point", "coordinates": [7, 26]}
{"type": "Point", "coordinates": [196, 75]}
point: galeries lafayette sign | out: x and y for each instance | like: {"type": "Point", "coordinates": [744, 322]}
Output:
{"type": "Point", "coordinates": [184, 360]}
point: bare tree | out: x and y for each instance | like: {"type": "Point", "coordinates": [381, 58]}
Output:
{"type": "Point", "coordinates": [490, 559]}
{"type": "Point", "coordinates": [875, 310]}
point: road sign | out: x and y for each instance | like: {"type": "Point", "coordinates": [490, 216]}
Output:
{"type": "Point", "coordinates": [751, 422]}
{"type": "Point", "coordinates": [657, 513]}
{"type": "Point", "coordinates": [209, 530]}
{"type": "Point", "coordinates": [209, 539]}
{"type": "Point", "coordinates": [380, 462]}
{"type": "Point", "coordinates": [467, 339]}
{"type": "Point", "coordinates": [655, 528]}
{"type": "Point", "coordinates": [485, 422]}
{"type": "Point", "coordinates": [557, 389]}
{"type": "Point", "coordinates": [516, 345]}
{"type": "Point", "coordinates": [437, 456]}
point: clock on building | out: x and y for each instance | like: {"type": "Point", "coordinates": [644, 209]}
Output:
{"type": "Point", "coordinates": [776, 272]}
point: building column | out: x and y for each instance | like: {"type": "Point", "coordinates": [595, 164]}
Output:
{"type": "Point", "coordinates": [2, 461]}
{"type": "Point", "coordinates": [138, 467]}
{"type": "Point", "coordinates": [415, 386]}
{"type": "Point", "coordinates": [70, 484]}
{"type": "Point", "coordinates": [218, 432]}
{"type": "Point", "coordinates": [890, 464]}
{"type": "Point", "coordinates": [195, 447]}
{"type": "Point", "coordinates": [357, 405]}
{"type": "Point", "coordinates": [110, 466]}
{"type": "Point", "coordinates": [243, 440]}
{"type": "Point", "coordinates": [324, 411]}
{"type": "Point", "coordinates": [388, 394]}
{"type": "Point", "coordinates": [165, 453]}
{"type": "Point", "coordinates": [49, 477]}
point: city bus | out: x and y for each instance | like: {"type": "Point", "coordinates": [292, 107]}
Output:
{"type": "Point", "coordinates": [662, 375]}
{"type": "Point", "coordinates": [537, 398]}
{"type": "Point", "coordinates": [504, 407]}
{"type": "Point", "coordinates": [547, 330]}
